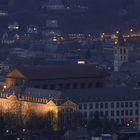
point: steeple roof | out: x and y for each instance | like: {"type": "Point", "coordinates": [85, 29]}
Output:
{"type": "Point", "coordinates": [121, 41]}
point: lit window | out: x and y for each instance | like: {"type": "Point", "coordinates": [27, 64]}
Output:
{"type": "Point", "coordinates": [81, 62]}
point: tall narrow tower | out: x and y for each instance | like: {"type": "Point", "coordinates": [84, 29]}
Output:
{"type": "Point", "coordinates": [120, 52]}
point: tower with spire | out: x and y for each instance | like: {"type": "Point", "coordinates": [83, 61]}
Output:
{"type": "Point", "coordinates": [120, 52]}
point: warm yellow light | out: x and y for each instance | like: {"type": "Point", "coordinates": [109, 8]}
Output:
{"type": "Point", "coordinates": [81, 62]}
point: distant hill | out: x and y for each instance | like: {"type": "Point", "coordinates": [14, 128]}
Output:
{"type": "Point", "coordinates": [100, 15]}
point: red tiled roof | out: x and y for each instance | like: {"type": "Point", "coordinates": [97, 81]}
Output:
{"type": "Point", "coordinates": [65, 71]}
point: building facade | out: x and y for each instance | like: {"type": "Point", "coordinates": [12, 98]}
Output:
{"type": "Point", "coordinates": [58, 77]}
{"type": "Point", "coordinates": [121, 105]}
{"type": "Point", "coordinates": [76, 106]}
{"type": "Point", "coordinates": [24, 106]}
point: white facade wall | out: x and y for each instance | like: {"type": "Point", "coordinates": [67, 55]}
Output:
{"type": "Point", "coordinates": [128, 110]}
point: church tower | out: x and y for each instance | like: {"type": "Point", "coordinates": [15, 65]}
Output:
{"type": "Point", "coordinates": [120, 52]}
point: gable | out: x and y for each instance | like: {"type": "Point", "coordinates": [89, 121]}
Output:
{"type": "Point", "coordinates": [13, 97]}
{"type": "Point", "coordinates": [15, 74]}
{"type": "Point", "coordinates": [51, 103]}
{"type": "Point", "coordinates": [69, 103]}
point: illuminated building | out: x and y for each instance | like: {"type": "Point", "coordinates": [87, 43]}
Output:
{"type": "Point", "coordinates": [25, 105]}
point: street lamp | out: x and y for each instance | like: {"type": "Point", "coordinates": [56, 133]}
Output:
{"type": "Point", "coordinates": [23, 130]}
{"type": "Point", "coordinates": [117, 32]}
{"type": "Point", "coordinates": [131, 30]}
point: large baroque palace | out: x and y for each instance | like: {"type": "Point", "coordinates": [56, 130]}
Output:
{"type": "Point", "coordinates": [24, 106]}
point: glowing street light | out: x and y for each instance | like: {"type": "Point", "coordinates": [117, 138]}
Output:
{"type": "Point", "coordinates": [117, 32]}
{"type": "Point", "coordinates": [4, 86]}
{"type": "Point", "coordinates": [128, 124]}
{"type": "Point", "coordinates": [131, 30]}
{"type": "Point", "coordinates": [23, 130]}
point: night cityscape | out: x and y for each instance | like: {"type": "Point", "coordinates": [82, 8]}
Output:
{"type": "Point", "coordinates": [69, 69]}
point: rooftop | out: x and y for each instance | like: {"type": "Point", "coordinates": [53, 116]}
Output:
{"type": "Point", "coordinates": [61, 72]}
{"type": "Point", "coordinates": [102, 94]}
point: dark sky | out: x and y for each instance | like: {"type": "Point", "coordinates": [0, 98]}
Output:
{"type": "Point", "coordinates": [101, 13]}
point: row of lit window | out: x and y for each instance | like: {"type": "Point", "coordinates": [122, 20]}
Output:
{"type": "Point", "coordinates": [33, 99]}
{"type": "Point", "coordinates": [111, 105]}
